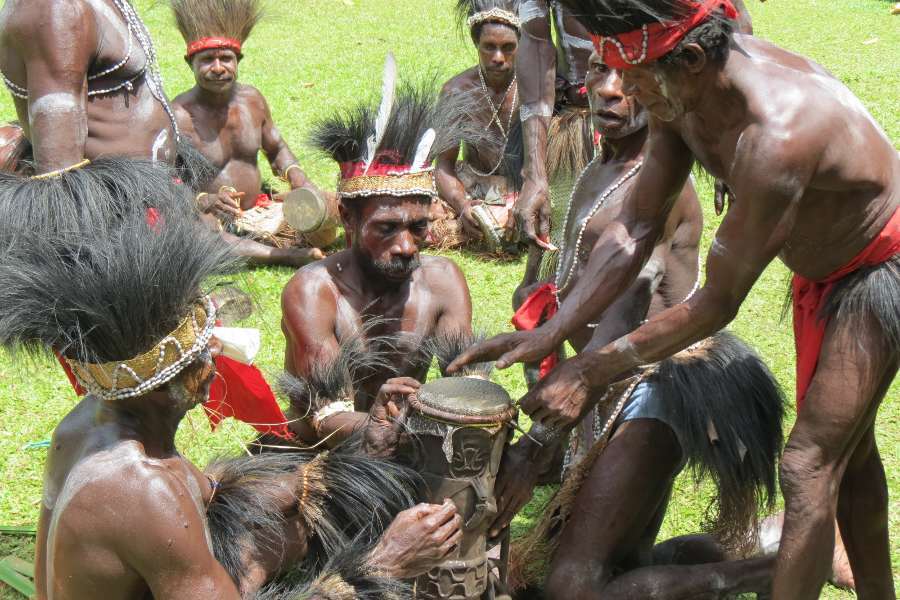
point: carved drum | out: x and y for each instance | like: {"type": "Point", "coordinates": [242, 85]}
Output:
{"type": "Point", "coordinates": [460, 426]}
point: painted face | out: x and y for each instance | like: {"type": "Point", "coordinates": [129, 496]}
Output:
{"type": "Point", "coordinates": [614, 114]}
{"type": "Point", "coordinates": [653, 87]}
{"type": "Point", "coordinates": [387, 233]}
{"type": "Point", "coordinates": [215, 70]}
{"type": "Point", "coordinates": [497, 47]}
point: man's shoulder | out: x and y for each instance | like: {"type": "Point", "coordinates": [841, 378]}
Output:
{"type": "Point", "coordinates": [439, 271]}
{"type": "Point", "coordinates": [250, 95]}
{"type": "Point", "coordinates": [461, 81]}
{"type": "Point", "coordinates": [28, 17]}
{"type": "Point", "coordinates": [308, 281]}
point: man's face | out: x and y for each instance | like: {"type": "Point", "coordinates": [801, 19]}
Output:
{"type": "Point", "coordinates": [215, 70]}
{"type": "Point", "coordinates": [614, 114]}
{"type": "Point", "coordinates": [387, 233]}
{"type": "Point", "coordinates": [656, 88]}
{"type": "Point", "coordinates": [497, 47]}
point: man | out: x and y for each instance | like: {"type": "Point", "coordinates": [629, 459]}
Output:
{"type": "Point", "coordinates": [488, 176]}
{"type": "Point", "coordinates": [229, 123]}
{"type": "Point", "coordinates": [823, 198]}
{"type": "Point", "coordinates": [379, 301]}
{"type": "Point", "coordinates": [658, 427]}
{"type": "Point", "coordinates": [85, 83]}
{"type": "Point", "coordinates": [551, 87]}
{"type": "Point", "coordinates": [123, 513]}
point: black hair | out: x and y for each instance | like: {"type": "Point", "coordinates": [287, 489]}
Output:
{"type": "Point", "coordinates": [713, 35]}
{"type": "Point", "coordinates": [467, 8]}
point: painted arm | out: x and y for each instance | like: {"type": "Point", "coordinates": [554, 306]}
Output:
{"type": "Point", "coordinates": [615, 261]}
{"type": "Point", "coordinates": [536, 78]}
{"type": "Point", "coordinates": [57, 49]}
{"type": "Point", "coordinates": [749, 238]}
{"type": "Point", "coordinates": [277, 152]}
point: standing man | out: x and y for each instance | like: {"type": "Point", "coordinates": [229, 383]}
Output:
{"type": "Point", "coordinates": [379, 301]}
{"type": "Point", "coordinates": [820, 191]}
{"type": "Point", "coordinates": [85, 82]}
{"type": "Point", "coordinates": [229, 122]}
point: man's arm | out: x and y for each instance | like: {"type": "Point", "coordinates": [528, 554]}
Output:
{"type": "Point", "coordinates": [277, 152]}
{"type": "Point", "coordinates": [772, 183]}
{"type": "Point", "coordinates": [56, 46]}
{"type": "Point", "coordinates": [452, 191]}
{"type": "Point", "coordinates": [448, 286]}
{"type": "Point", "coordinates": [536, 75]}
{"type": "Point", "coordinates": [171, 552]}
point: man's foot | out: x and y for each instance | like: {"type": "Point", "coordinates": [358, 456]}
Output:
{"type": "Point", "coordinates": [841, 574]}
{"type": "Point", "coordinates": [296, 257]}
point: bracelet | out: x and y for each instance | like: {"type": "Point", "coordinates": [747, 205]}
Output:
{"type": "Point", "coordinates": [227, 188]}
{"type": "Point", "coordinates": [287, 170]}
{"type": "Point", "coordinates": [59, 172]}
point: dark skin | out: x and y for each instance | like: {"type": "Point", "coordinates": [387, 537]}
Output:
{"type": "Point", "coordinates": [230, 123]}
{"type": "Point", "coordinates": [109, 455]}
{"type": "Point", "coordinates": [327, 301]}
{"type": "Point", "coordinates": [54, 45]}
{"type": "Point", "coordinates": [813, 189]}
{"type": "Point", "coordinates": [606, 549]}
{"type": "Point", "coordinates": [497, 45]}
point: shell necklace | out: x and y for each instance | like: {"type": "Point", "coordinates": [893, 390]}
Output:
{"type": "Point", "coordinates": [495, 118]}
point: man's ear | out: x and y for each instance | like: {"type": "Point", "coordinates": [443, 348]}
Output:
{"type": "Point", "coordinates": [694, 58]}
{"type": "Point", "coordinates": [347, 216]}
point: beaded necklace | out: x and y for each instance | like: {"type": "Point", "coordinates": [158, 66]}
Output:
{"type": "Point", "coordinates": [495, 118]}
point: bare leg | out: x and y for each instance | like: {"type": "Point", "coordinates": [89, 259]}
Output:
{"type": "Point", "coordinates": [260, 254]}
{"type": "Point", "coordinates": [853, 375]}
{"type": "Point", "coordinates": [689, 550]}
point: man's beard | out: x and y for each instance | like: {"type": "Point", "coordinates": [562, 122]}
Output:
{"type": "Point", "coordinates": [396, 268]}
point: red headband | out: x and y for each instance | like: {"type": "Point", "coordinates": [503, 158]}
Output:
{"type": "Point", "coordinates": [385, 163]}
{"type": "Point", "coordinates": [210, 43]}
{"type": "Point", "coordinates": [656, 39]}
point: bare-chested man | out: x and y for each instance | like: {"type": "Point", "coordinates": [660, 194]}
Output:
{"type": "Point", "coordinates": [819, 190]}
{"type": "Point", "coordinates": [487, 176]}
{"type": "Point", "coordinates": [661, 427]}
{"type": "Point", "coordinates": [85, 82]}
{"type": "Point", "coordinates": [124, 515]}
{"type": "Point", "coordinates": [229, 122]}
{"type": "Point", "coordinates": [380, 287]}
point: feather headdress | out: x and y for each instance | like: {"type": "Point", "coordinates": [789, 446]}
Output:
{"type": "Point", "coordinates": [208, 24]}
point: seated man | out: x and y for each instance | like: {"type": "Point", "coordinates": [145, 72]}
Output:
{"type": "Point", "coordinates": [379, 301]}
{"type": "Point", "coordinates": [715, 408]}
{"type": "Point", "coordinates": [124, 515]}
{"type": "Point", "coordinates": [487, 176]}
{"type": "Point", "coordinates": [229, 123]}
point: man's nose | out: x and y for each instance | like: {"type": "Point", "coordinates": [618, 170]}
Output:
{"type": "Point", "coordinates": [405, 245]}
{"type": "Point", "coordinates": [217, 67]}
{"type": "Point", "coordinates": [497, 58]}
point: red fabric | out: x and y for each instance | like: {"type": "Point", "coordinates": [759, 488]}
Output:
{"type": "Point", "coordinates": [263, 201]}
{"type": "Point", "coordinates": [809, 296]}
{"type": "Point", "coordinates": [241, 391]}
{"type": "Point", "coordinates": [154, 219]}
{"type": "Point", "coordinates": [208, 43]}
{"type": "Point", "coordinates": [70, 375]}
{"type": "Point", "coordinates": [661, 37]}
{"type": "Point", "coordinates": [386, 161]}
{"type": "Point", "coordinates": [538, 308]}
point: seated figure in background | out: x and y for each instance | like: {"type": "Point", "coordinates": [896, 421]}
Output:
{"type": "Point", "coordinates": [358, 318]}
{"type": "Point", "coordinates": [229, 123]}
{"type": "Point", "coordinates": [124, 514]}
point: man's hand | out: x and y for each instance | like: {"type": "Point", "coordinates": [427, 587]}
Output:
{"type": "Point", "coordinates": [468, 221]}
{"type": "Point", "coordinates": [516, 480]}
{"type": "Point", "coordinates": [531, 214]}
{"type": "Point", "coordinates": [560, 399]}
{"type": "Point", "coordinates": [418, 540]}
{"type": "Point", "coordinates": [508, 349]}
{"type": "Point", "coordinates": [723, 195]}
{"type": "Point", "coordinates": [224, 205]}
{"type": "Point", "coordinates": [387, 415]}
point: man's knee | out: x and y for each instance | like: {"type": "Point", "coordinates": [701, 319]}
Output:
{"type": "Point", "coordinates": [808, 479]}
{"type": "Point", "coordinates": [575, 579]}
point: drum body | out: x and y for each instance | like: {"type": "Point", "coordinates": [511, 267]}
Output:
{"type": "Point", "coordinates": [461, 427]}
{"type": "Point", "coordinates": [314, 214]}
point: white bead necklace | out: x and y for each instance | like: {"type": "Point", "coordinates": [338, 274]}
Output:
{"type": "Point", "coordinates": [563, 281]}
{"type": "Point", "coordinates": [495, 118]}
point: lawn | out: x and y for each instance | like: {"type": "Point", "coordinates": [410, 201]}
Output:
{"type": "Point", "coordinates": [310, 56]}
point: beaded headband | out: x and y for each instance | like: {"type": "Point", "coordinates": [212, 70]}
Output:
{"type": "Point", "coordinates": [397, 184]}
{"type": "Point", "coordinates": [496, 15]}
{"type": "Point", "coordinates": [136, 376]}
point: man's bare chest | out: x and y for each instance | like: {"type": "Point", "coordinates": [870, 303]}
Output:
{"type": "Point", "coordinates": [236, 135]}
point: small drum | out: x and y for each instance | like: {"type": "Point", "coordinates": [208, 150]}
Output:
{"type": "Point", "coordinates": [313, 214]}
{"type": "Point", "coordinates": [14, 147]}
{"type": "Point", "coordinates": [460, 426]}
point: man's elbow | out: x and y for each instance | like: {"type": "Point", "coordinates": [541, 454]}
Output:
{"type": "Point", "coordinates": [718, 310]}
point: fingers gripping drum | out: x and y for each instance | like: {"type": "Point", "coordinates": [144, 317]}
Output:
{"type": "Point", "coordinates": [460, 426]}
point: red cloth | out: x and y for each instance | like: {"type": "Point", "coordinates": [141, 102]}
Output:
{"type": "Point", "coordinates": [809, 296]}
{"type": "Point", "coordinates": [209, 43]}
{"type": "Point", "coordinates": [661, 37]}
{"type": "Point", "coordinates": [241, 391]}
{"type": "Point", "coordinates": [385, 163]}
{"type": "Point", "coordinates": [263, 201]}
{"type": "Point", "coordinates": [238, 391]}
{"type": "Point", "coordinates": [538, 308]}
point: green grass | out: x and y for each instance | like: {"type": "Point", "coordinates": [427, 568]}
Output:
{"type": "Point", "coordinates": [311, 56]}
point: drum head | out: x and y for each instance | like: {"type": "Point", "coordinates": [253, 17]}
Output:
{"type": "Point", "coordinates": [464, 400]}
{"type": "Point", "coordinates": [305, 210]}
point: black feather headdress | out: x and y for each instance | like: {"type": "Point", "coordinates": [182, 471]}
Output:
{"type": "Point", "coordinates": [611, 17]}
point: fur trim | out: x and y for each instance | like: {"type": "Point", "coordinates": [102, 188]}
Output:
{"type": "Point", "coordinates": [448, 346]}
{"type": "Point", "coordinates": [569, 144]}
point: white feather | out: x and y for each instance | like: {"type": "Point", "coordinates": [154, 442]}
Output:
{"type": "Point", "coordinates": [422, 150]}
{"type": "Point", "coordinates": [388, 87]}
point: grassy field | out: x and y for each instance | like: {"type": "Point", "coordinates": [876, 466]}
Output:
{"type": "Point", "coordinates": [310, 56]}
